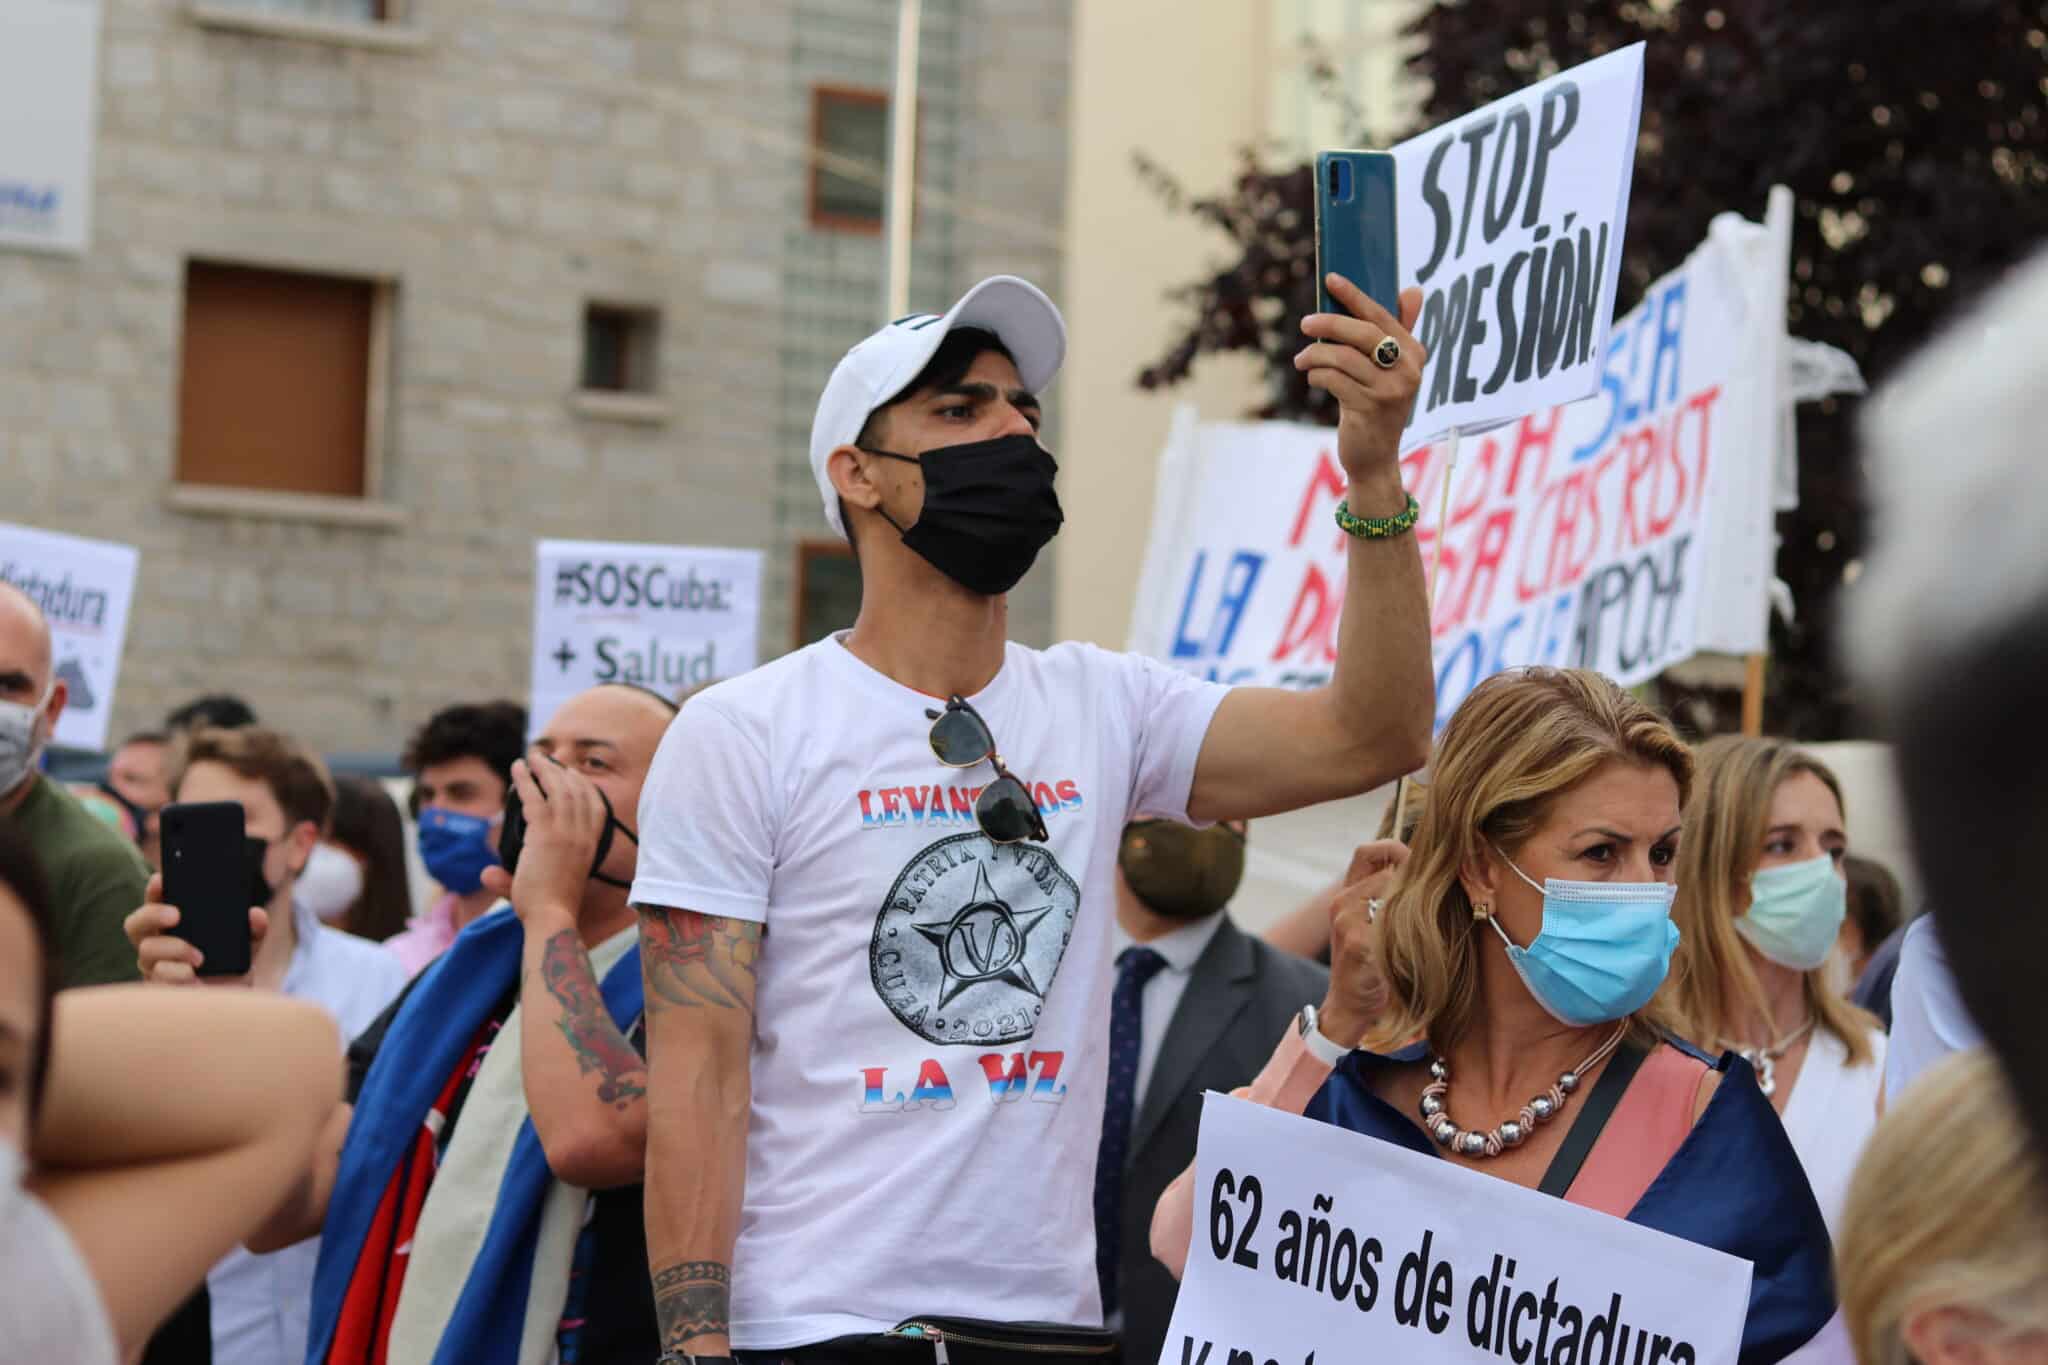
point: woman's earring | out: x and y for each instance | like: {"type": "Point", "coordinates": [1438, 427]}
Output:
{"type": "Point", "coordinates": [1482, 911]}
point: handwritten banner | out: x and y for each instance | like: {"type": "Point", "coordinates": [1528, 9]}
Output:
{"type": "Point", "coordinates": [1510, 221]}
{"type": "Point", "coordinates": [1621, 533]}
{"type": "Point", "coordinates": [663, 617]}
{"type": "Point", "coordinates": [1314, 1243]}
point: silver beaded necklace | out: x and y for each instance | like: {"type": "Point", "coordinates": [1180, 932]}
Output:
{"type": "Point", "coordinates": [1765, 1059]}
{"type": "Point", "coordinates": [1508, 1133]}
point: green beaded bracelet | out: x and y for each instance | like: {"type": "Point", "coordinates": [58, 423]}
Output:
{"type": "Point", "coordinates": [1379, 528]}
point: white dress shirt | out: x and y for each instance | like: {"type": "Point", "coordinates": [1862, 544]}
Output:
{"type": "Point", "coordinates": [1928, 1018]}
{"type": "Point", "coordinates": [1182, 949]}
{"type": "Point", "coordinates": [262, 1304]}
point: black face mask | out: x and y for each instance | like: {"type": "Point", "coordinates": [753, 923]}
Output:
{"type": "Point", "coordinates": [260, 888]}
{"type": "Point", "coordinates": [989, 508]}
{"type": "Point", "coordinates": [1181, 872]}
{"type": "Point", "coordinates": [512, 837]}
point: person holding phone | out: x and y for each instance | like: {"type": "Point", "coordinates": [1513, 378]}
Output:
{"type": "Point", "coordinates": [286, 799]}
{"type": "Point", "coordinates": [927, 815]}
{"type": "Point", "coordinates": [109, 1209]}
{"type": "Point", "coordinates": [480, 1198]}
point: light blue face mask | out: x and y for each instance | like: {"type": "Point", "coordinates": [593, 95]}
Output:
{"type": "Point", "coordinates": [1795, 911]}
{"type": "Point", "coordinates": [1603, 949]}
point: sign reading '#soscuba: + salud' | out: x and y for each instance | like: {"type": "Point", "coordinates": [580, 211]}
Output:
{"type": "Point", "coordinates": [663, 617]}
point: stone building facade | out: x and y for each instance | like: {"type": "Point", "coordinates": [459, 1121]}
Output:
{"type": "Point", "coordinates": [494, 169]}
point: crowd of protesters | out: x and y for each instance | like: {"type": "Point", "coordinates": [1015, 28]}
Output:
{"type": "Point", "coordinates": [700, 1049]}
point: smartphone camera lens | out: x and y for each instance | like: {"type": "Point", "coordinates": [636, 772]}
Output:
{"type": "Point", "coordinates": [1340, 182]}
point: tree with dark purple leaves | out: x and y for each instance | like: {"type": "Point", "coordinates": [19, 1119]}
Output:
{"type": "Point", "coordinates": [1911, 132]}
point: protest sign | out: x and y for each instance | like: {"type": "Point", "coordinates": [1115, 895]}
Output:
{"type": "Point", "coordinates": [1510, 220]}
{"type": "Point", "coordinates": [84, 588]}
{"type": "Point", "coordinates": [1314, 1243]}
{"type": "Point", "coordinates": [663, 617]}
{"type": "Point", "coordinates": [1620, 533]}
{"type": "Point", "coordinates": [49, 93]}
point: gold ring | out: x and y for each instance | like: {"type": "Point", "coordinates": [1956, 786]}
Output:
{"type": "Point", "coordinates": [1387, 354]}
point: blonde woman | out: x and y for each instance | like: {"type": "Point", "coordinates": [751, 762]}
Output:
{"type": "Point", "coordinates": [1944, 1251]}
{"type": "Point", "coordinates": [1761, 896]}
{"type": "Point", "coordinates": [1523, 946]}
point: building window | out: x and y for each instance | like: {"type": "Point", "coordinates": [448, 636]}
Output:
{"type": "Point", "coordinates": [850, 149]}
{"type": "Point", "coordinates": [326, 11]}
{"type": "Point", "coordinates": [827, 589]}
{"type": "Point", "coordinates": [619, 348]}
{"type": "Point", "coordinates": [280, 381]}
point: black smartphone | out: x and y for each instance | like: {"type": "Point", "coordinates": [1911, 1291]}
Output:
{"type": "Point", "coordinates": [206, 875]}
{"type": "Point", "coordinates": [1355, 234]}
{"type": "Point", "coordinates": [512, 833]}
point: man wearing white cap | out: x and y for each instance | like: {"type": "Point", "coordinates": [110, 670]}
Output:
{"type": "Point", "coordinates": [876, 875]}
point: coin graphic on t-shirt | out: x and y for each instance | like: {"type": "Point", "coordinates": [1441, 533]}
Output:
{"type": "Point", "coordinates": [970, 937]}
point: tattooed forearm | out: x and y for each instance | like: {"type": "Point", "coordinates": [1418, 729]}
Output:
{"type": "Point", "coordinates": [692, 1299]}
{"type": "Point", "coordinates": [696, 960]}
{"type": "Point", "coordinates": [593, 1038]}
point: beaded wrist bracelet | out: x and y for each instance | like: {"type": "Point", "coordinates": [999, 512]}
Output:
{"type": "Point", "coordinates": [1379, 528]}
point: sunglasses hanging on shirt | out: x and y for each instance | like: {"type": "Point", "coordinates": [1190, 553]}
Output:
{"type": "Point", "coordinates": [1004, 810]}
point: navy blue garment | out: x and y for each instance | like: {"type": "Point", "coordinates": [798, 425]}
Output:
{"type": "Point", "coordinates": [1134, 967]}
{"type": "Point", "coordinates": [1735, 1185]}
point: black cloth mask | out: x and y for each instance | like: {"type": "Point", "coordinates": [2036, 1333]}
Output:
{"type": "Point", "coordinates": [989, 508]}
{"type": "Point", "coordinates": [1179, 871]}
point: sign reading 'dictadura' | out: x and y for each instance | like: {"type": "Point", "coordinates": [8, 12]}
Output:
{"type": "Point", "coordinates": [1311, 1243]}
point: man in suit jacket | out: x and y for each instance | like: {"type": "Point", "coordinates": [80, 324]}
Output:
{"type": "Point", "coordinates": [1209, 1008]}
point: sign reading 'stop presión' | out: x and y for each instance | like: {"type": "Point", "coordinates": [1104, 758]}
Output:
{"type": "Point", "coordinates": [1510, 219]}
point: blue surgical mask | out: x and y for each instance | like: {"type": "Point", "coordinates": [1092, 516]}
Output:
{"type": "Point", "coordinates": [1603, 949]}
{"type": "Point", "coordinates": [456, 848]}
{"type": "Point", "coordinates": [1795, 911]}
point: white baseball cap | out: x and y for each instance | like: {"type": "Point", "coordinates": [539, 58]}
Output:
{"type": "Point", "coordinates": [875, 371]}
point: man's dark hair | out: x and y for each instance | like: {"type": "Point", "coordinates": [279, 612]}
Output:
{"type": "Point", "coordinates": [1876, 902]}
{"type": "Point", "coordinates": [21, 872]}
{"type": "Point", "coordinates": [494, 731]}
{"type": "Point", "coordinates": [214, 711]}
{"type": "Point", "coordinates": [949, 365]}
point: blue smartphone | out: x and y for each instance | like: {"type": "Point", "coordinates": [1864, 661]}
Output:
{"type": "Point", "coordinates": [1355, 227]}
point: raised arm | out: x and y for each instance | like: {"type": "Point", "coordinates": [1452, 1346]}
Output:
{"type": "Point", "coordinates": [699, 972]}
{"type": "Point", "coordinates": [586, 1084]}
{"type": "Point", "coordinates": [1269, 750]}
{"type": "Point", "coordinates": [1358, 998]}
{"type": "Point", "coordinates": [239, 1086]}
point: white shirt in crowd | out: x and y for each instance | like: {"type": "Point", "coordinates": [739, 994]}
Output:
{"type": "Point", "coordinates": [1182, 948]}
{"type": "Point", "coordinates": [1928, 1018]}
{"type": "Point", "coordinates": [932, 1009]}
{"type": "Point", "coordinates": [1830, 1115]}
{"type": "Point", "coordinates": [51, 1312]}
{"type": "Point", "coordinates": [262, 1304]}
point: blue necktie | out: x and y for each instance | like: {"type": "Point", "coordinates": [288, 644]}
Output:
{"type": "Point", "coordinates": [1134, 967]}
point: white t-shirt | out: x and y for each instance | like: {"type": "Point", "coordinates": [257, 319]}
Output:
{"type": "Point", "coordinates": [932, 1009]}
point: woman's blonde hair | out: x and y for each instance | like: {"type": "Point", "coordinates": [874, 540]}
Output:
{"type": "Point", "coordinates": [1712, 980]}
{"type": "Point", "coordinates": [1948, 1209]}
{"type": "Point", "coordinates": [1518, 742]}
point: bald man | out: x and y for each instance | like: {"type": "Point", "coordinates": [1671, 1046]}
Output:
{"type": "Point", "coordinates": [96, 876]}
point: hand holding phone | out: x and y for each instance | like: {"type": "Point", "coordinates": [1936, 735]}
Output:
{"type": "Point", "coordinates": [167, 960]}
{"type": "Point", "coordinates": [206, 884]}
{"type": "Point", "coordinates": [1355, 230]}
